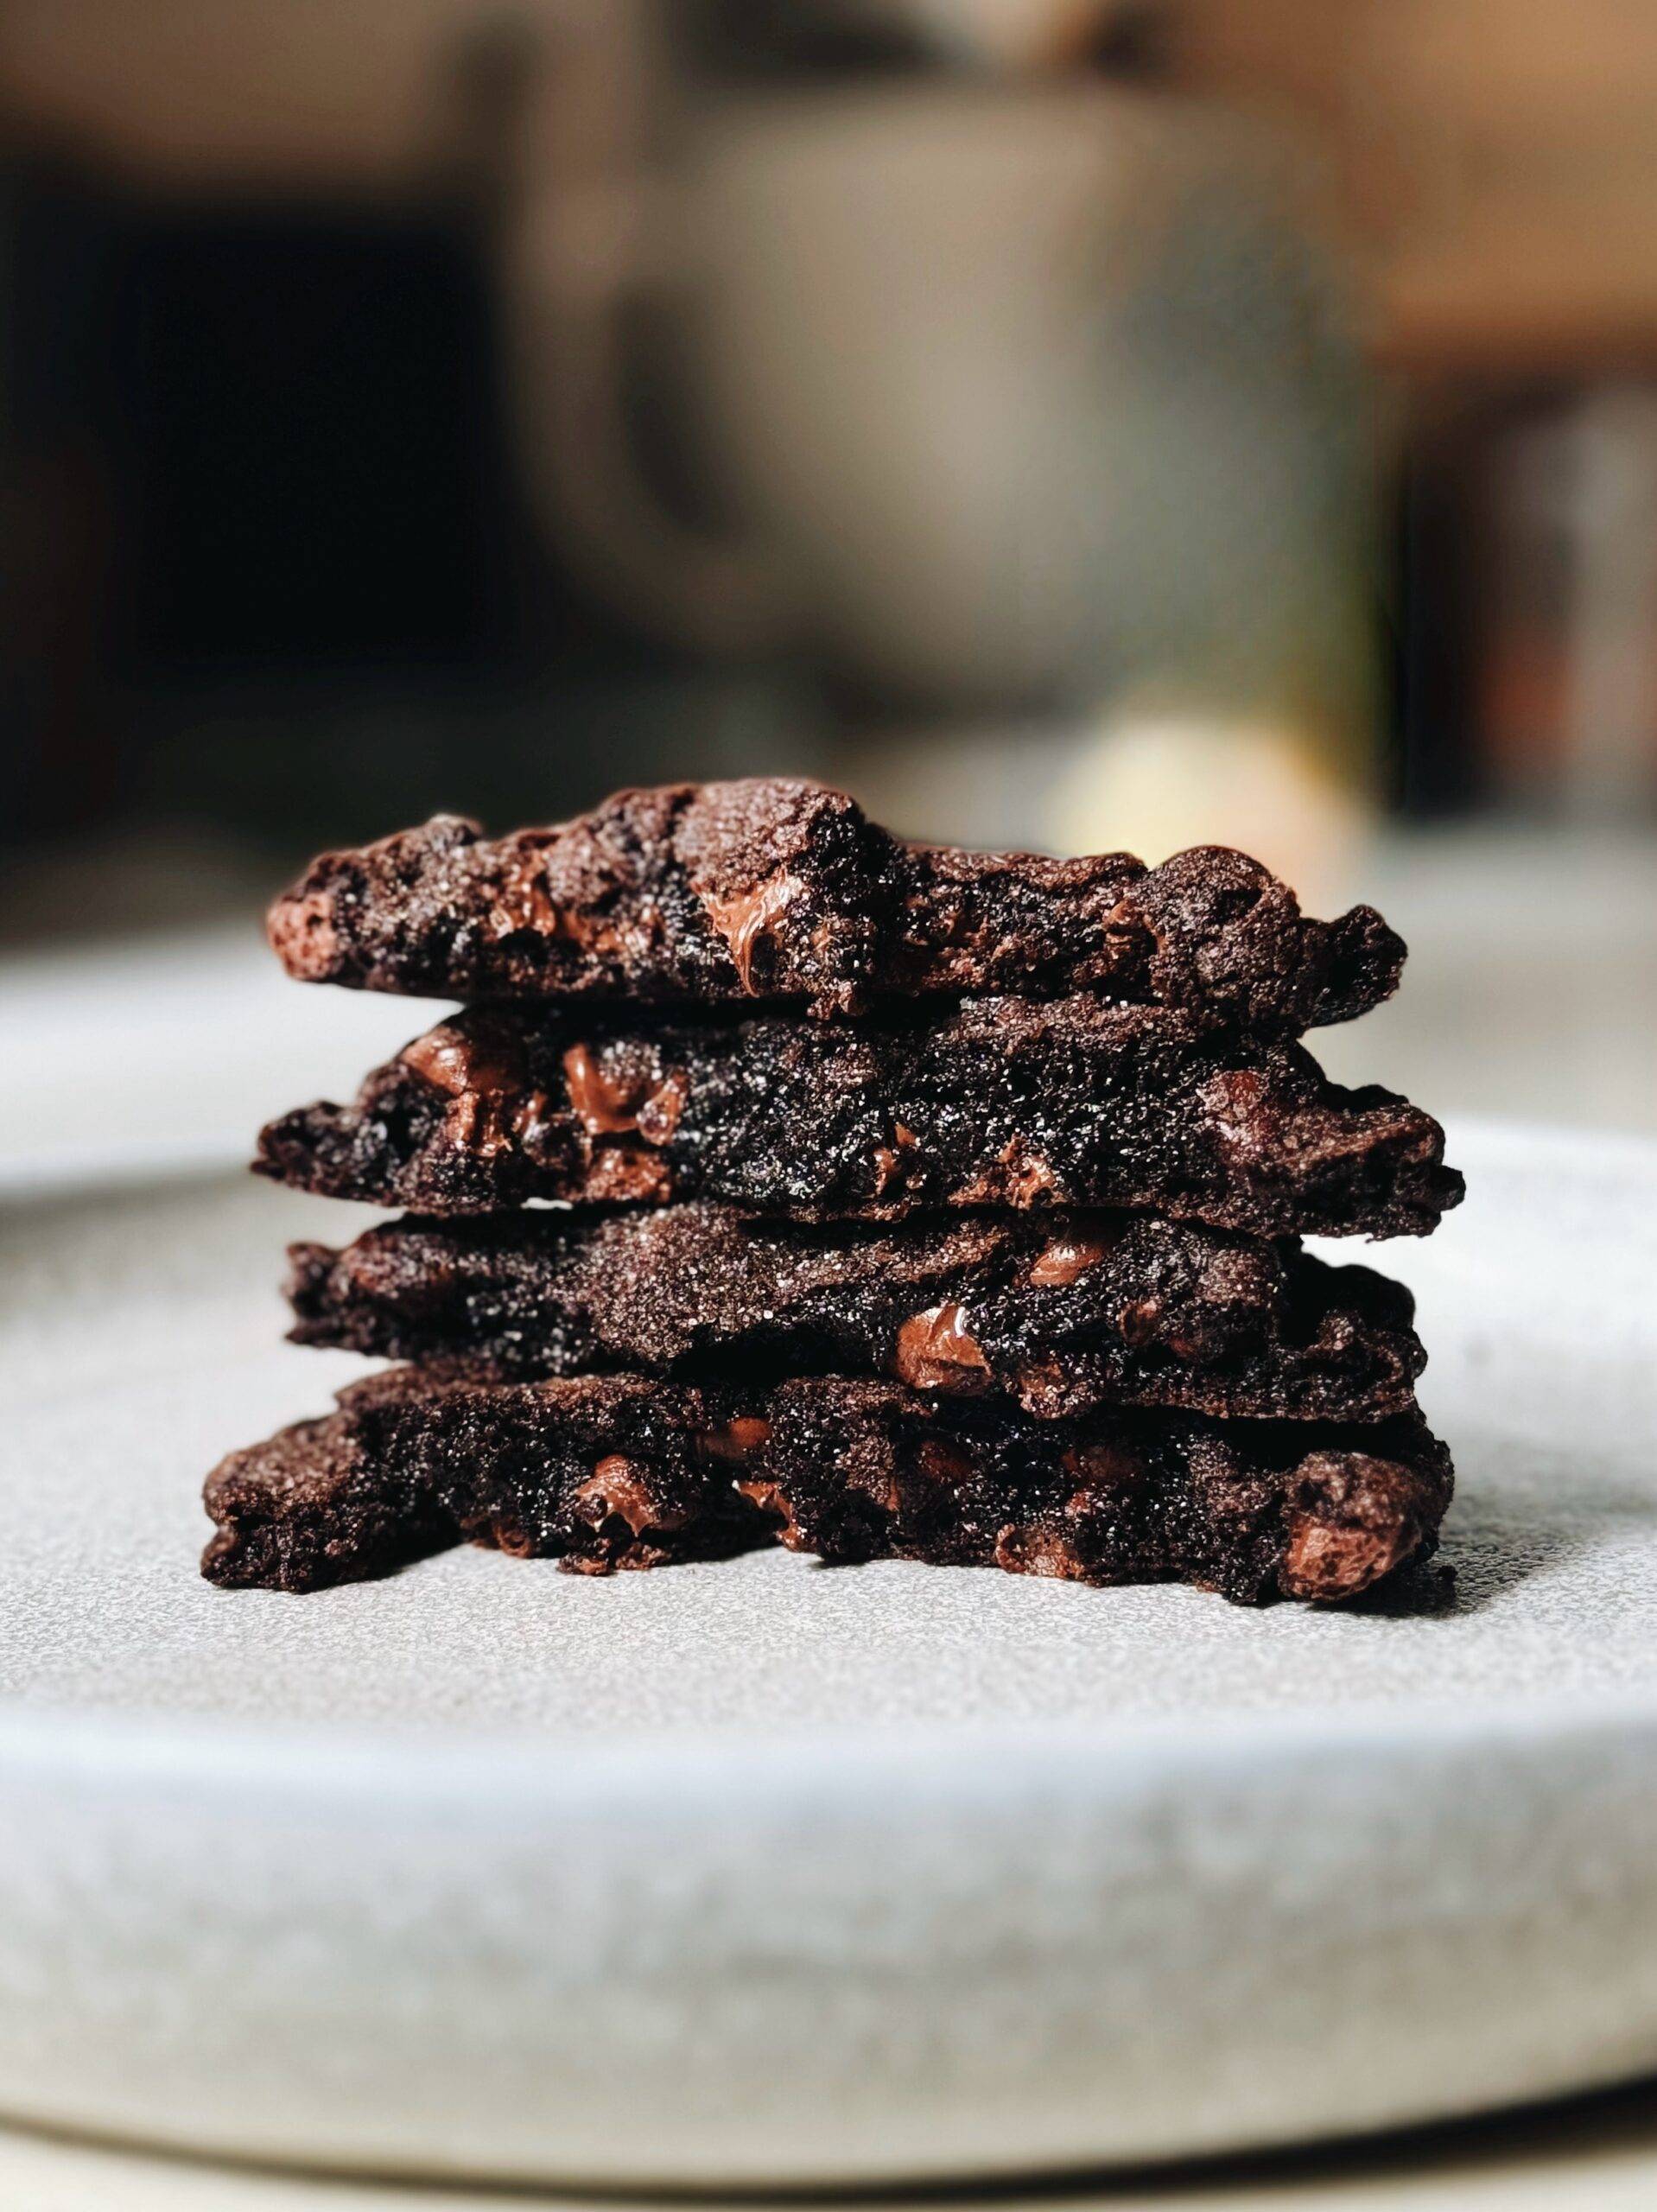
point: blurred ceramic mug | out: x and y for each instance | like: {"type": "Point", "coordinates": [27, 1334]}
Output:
{"type": "Point", "coordinates": [971, 367]}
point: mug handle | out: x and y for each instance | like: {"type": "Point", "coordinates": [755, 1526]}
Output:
{"type": "Point", "coordinates": [588, 245]}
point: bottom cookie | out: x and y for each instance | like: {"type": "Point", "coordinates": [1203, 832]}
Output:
{"type": "Point", "coordinates": [620, 1471]}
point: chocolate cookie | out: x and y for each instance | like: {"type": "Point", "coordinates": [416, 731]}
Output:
{"type": "Point", "coordinates": [613, 1472]}
{"type": "Point", "coordinates": [605, 1472]}
{"type": "Point", "coordinates": [1000, 1102]}
{"type": "Point", "coordinates": [1064, 1312]}
{"type": "Point", "coordinates": [703, 894]}
{"type": "Point", "coordinates": [1252, 1509]}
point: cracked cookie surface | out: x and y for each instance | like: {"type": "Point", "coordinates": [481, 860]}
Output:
{"type": "Point", "coordinates": [709, 894]}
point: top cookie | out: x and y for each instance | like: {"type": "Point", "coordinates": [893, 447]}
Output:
{"type": "Point", "coordinates": [703, 894]}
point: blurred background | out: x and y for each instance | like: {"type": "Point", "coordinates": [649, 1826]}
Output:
{"type": "Point", "coordinates": [1064, 424]}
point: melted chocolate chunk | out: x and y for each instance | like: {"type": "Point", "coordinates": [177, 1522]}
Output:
{"type": "Point", "coordinates": [936, 1351]}
{"type": "Point", "coordinates": [704, 894]}
{"type": "Point", "coordinates": [616, 1472]}
{"type": "Point", "coordinates": [1002, 1102]}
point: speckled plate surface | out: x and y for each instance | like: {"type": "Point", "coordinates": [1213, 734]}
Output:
{"type": "Point", "coordinates": [761, 1872]}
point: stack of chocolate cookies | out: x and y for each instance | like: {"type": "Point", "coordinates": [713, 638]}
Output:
{"type": "Point", "coordinates": [783, 1181]}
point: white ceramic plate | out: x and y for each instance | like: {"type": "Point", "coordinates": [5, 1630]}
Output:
{"type": "Point", "coordinates": [761, 1872]}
